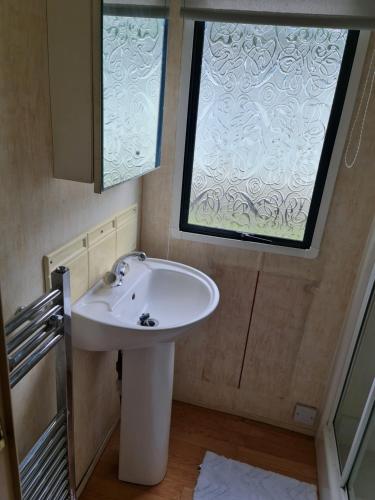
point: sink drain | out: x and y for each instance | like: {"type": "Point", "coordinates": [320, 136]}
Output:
{"type": "Point", "coordinates": [145, 320]}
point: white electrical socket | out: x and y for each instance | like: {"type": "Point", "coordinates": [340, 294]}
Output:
{"type": "Point", "coordinates": [305, 415]}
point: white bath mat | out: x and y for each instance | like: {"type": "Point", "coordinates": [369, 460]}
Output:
{"type": "Point", "coordinates": [225, 479]}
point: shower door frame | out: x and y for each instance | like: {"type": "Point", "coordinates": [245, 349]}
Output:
{"type": "Point", "coordinates": [333, 481]}
{"type": "Point", "coordinates": [358, 437]}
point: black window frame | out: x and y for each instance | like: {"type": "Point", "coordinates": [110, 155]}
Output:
{"type": "Point", "coordinates": [325, 158]}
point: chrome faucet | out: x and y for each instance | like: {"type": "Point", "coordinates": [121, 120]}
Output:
{"type": "Point", "coordinates": [120, 269]}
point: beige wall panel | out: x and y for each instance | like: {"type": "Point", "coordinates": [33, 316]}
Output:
{"type": "Point", "coordinates": [126, 238]}
{"type": "Point", "coordinates": [281, 309]}
{"type": "Point", "coordinates": [213, 257]}
{"type": "Point", "coordinates": [244, 402]}
{"type": "Point", "coordinates": [74, 256]}
{"type": "Point", "coordinates": [157, 186]}
{"type": "Point", "coordinates": [96, 403]}
{"type": "Point", "coordinates": [101, 231]}
{"type": "Point", "coordinates": [215, 350]}
{"type": "Point", "coordinates": [130, 214]}
{"type": "Point", "coordinates": [79, 275]}
{"type": "Point", "coordinates": [39, 213]}
{"type": "Point", "coordinates": [226, 331]}
{"type": "Point", "coordinates": [345, 237]}
{"type": "Point", "coordinates": [154, 247]}
{"type": "Point", "coordinates": [79, 272]}
{"type": "Point", "coordinates": [248, 404]}
{"type": "Point", "coordinates": [101, 257]}
{"type": "Point", "coordinates": [34, 403]}
{"type": "Point", "coordinates": [293, 267]}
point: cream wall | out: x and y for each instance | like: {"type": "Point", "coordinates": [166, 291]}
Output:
{"type": "Point", "coordinates": [299, 305]}
{"type": "Point", "coordinates": [37, 215]}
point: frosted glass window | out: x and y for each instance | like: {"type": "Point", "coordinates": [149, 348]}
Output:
{"type": "Point", "coordinates": [261, 128]}
{"type": "Point", "coordinates": [133, 81]}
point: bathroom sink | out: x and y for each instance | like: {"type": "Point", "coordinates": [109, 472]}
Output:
{"type": "Point", "coordinates": [157, 302]}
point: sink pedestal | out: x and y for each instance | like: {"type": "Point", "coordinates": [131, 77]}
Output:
{"type": "Point", "coordinates": [106, 318]}
{"type": "Point", "coordinates": [147, 383]}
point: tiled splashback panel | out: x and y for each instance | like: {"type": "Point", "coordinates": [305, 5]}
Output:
{"type": "Point", "coordinates": [92, 253]}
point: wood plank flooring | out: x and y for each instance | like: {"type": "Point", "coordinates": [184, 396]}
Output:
{"type": "Point", "coordinates": [195, 430]}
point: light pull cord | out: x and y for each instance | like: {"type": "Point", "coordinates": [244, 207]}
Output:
{"type": "Point", "coordinates": [350, 164]}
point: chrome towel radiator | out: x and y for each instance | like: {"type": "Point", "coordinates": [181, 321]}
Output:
{"type": "Point", "coordinates": [47, 471]}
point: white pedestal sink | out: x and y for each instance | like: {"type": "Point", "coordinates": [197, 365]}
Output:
{"type": "Point", "coordinates": [108, 318]}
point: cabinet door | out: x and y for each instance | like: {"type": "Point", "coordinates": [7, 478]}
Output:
{"type": "Point", "coordinates": [133, 64]}
{"type": "Point", "coordinates": [107, 62]}
{"type": "Point", "coordinates": [71, 78]}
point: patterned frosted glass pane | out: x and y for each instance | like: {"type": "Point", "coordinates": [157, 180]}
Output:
{"type": "Point", "coordinates": [132, 84]}
{"type": "Point", "coordinates": [265, 99]}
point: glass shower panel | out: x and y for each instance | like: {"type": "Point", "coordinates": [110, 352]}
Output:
{"type": "Point", "coordinates": [357, 387]}
{"type": "Point", "coordinates": [134, 50]}
{"type": "Point", "coordinates": [362, 480]}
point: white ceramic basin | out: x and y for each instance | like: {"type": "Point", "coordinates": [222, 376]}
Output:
{"type": "Point", "coordinates": [108, 318]}
{"type": "Point", "coordinates": [176, 296]}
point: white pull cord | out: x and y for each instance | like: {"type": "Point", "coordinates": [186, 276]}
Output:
{"type": "Point", "coordinates": [350, 164]}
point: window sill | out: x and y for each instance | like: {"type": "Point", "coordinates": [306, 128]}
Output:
{"type": "Point", "coordinates": [309, 253]}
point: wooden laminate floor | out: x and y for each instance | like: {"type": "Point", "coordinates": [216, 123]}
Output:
{"type": "Point", "coordinates": [195, 430]}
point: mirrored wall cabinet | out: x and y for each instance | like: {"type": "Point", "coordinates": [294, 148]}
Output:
{"type": "Point", "coordinates": [107, 74]}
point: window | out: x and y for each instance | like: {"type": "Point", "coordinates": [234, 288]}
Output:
{"type": "Point", "coordinates": [134, 52]}
{"type": "Point", "coordinates": [264, 108]}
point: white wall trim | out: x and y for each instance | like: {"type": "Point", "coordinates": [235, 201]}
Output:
{"type": "Point", "coordinates": [337, 153]}
{"type": "Point", "coordinates": [328, 467]}
{"type": "Point", "coordinates": [329, 473]}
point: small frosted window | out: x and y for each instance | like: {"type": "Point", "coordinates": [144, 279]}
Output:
{"type": "Point", "coordinates": [133, 79]}
{"type": "Point", "coordinates": [260, 105]}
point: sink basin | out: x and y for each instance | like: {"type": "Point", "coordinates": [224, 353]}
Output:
{"type": "Point", "coordinates": [158, 301]}
{"type": "Point", "coordinates": [174, 295]}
